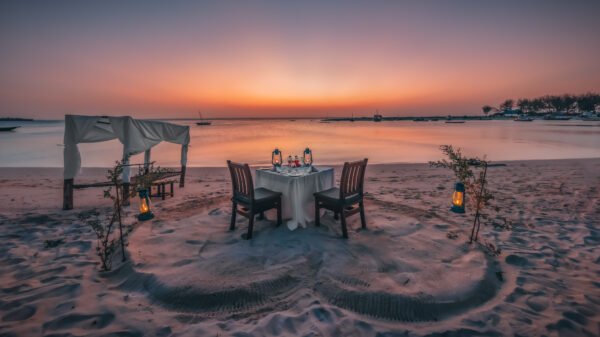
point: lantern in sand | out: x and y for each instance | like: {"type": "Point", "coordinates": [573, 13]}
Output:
{"type": "Point", "coordinates": [145, 211]}
{"type": "Point", "coordinates": [307, 157]}
{"type": "Point", "coordinates": [458, 198]}
{"type": "Point", "coordinates": [276, 158]}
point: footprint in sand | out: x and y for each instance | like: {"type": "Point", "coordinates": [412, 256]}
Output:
{"type": "Point", "coordinates": [215, 212]}
{"type": "Point", "coordinates": [19, 314]}
{"type": "Point", "coordinates": [96, 321]}
{"type": "Point", "coordinates": [516, 260]}
{"type": "Point", "coordinates": [537, 303]}
{"type": "Point", "coordinates": [168, 231]}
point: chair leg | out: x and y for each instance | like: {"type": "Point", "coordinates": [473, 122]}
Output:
{"type": "Point", "coordinates": [279, 215]}
{"type": "Point", "coordinates": [362, 215]}
{"type": "Point", "coordinates": [233, 214]}
{"type": "Point", "coordinates": [261, 216]}
{"type": "Point", "coordinates": [250, 227]}
{"type": "Point", "coordinates": [336, 215]}
{"type": "Point", "coordinates": [344, 229]}
{"type": "Point", "coordinates": [317, 214]}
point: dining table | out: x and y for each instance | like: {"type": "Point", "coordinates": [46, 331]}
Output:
{"type": "Point", "coordinates": [297, 187]}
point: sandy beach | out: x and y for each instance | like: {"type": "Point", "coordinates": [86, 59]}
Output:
{"type": "Point", "coordinates": [187, 275]}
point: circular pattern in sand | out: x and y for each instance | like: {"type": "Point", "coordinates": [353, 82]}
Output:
{"type": "Point", "coordinates": [394, 271]}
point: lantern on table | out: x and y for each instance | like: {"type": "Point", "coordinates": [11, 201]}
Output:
{"type": "Point", "coordinates": [145, 211]}
{"type": "Point", "coordinates": [458, 198]}
{"type": "Point", "coordinates": [276, 159]}
{"type": "Point", "coordinates": [307, 157]}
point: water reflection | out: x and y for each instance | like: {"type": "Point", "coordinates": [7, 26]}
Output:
{"type": "Point", "coordinates": [38, 144]}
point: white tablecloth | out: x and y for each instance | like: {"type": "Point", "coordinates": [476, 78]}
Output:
{"type": "Point", "coordinates": [298, 202]}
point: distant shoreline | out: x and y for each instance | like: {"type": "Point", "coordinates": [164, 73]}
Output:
{"type": "Point", "coordinates": [15, 119]}
{"type": "Point", "coordinates": [324, 119]}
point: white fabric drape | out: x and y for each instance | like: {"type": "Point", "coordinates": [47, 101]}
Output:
{"type": "Point", "coordinates": [137, 136]}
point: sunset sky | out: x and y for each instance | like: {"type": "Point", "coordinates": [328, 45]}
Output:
{"type": "Point", "coordinates": [293, 58]}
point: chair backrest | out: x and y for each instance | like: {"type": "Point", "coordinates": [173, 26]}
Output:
{"type": "Point", "coordinates": [241, 180]}
{"type": "Point", "coordinates": [353, 178]}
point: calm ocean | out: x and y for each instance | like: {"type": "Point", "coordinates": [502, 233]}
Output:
{"type": "Point", "coordinates": [39, 144]}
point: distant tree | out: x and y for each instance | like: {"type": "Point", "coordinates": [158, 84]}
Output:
{"type": "Point", "coordinates": [524, 105]}
{"type": "Point", "coordinates": [507, 105]}
{"type": "Point", "coordinates": [487, 109]}
{"type": "Point", "coordinates": [555, 103]}
{"type": "Point", "coordinates": [587, 102]}
{"type": "Point", "coordinates": [568, 103]}
{"type": "Point", "coordinates": [537, 105]}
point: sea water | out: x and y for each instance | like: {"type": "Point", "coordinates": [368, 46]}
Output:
{"type": "Point", "coordinates": [39, 144]}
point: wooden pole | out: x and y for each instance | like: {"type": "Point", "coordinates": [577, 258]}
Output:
{"type": "Point", "coordinates": [182, 177]}
{"type": "Point", "coordinates": [118, 210]}
{"type": "Point", "coordinates": [126, 194]}
{"type": "Point", "coordinates": [68, 194]}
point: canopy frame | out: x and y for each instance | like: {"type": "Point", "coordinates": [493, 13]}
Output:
{"type": "Point", "coordinates": [135, 135]}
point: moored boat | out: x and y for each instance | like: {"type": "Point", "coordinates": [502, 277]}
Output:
{"type": "Point", "coordinates": [523, 118]}
{"type": "Point", "coordinates": [202, 120]}
{"type": "Point", "coordinates": [377, 117]}
{"type": "Point", "coordinates": [8, 128]}
{"type": "Point", "coordinates": [556, 118]}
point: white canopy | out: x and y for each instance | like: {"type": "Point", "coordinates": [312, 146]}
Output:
{"type": "Point", "coordinates": [137, 136]}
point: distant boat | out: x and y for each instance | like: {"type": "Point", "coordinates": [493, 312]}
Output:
{"type": "Point", "coordinates": [377, 117]}
{"type": "Point", "coordinates": [8, 128]}
{"type": "Point", "coordinates": [352, 119]}
{"type": "Point", "coordinates": [202, 121]}
{"type": "Point", "coordinates": [523, 118]}
{"type": "Point", "coordinates": [591, 119]}
{"type": "Point", "coordinates": [454, 122]}
{"type": "Point", "coordinates": [556, 118]}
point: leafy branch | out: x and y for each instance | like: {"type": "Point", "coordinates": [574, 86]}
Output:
{"type": "Point", "coordinates": [472, 172]}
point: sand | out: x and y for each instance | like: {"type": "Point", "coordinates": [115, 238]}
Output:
{"type": "Point", "coordinates": [187, 275]}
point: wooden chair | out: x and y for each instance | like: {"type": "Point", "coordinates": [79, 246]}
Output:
{"type": "Point", "coordinates": [342, 200]}
{"type": "Point", "coordinates": [253, 201]}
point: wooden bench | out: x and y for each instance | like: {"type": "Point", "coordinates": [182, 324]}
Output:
{"type": "Point", "coordinates": [161, 188]}
{"type": "Point", "coordinates": [69, 185]}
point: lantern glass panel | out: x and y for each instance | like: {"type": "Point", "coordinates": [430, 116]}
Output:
{"type": "Point", "coordinates": [276, 158]}
{"type": "Point", "coordinates": [307, 158]}
{"type": "Point", "coordinates": [145, 211]}
{"type": "Point", "coordinates": [458, 198]}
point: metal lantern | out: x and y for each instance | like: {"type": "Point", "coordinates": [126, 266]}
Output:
{"type": "Point", "coordinates": [307, 157]}
{"type": "Point", "coordinates": [145, 211]}
{"type": "Point", "coordinates": [458, 198]}
{"type": "Point", "coordinates": [276, 158]}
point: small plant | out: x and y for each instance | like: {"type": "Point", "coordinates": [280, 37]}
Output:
{"type": "Point", "coordinates": [105, 226]}
{"type": "Point", "coordinates": [452, 235]}
{"type": "Point", "coordinates": [147, 176]}
{"type": "Point", "coordinates": [472, 173]}
{"type": "Point", "coordinates": [491, 249]}
{"type": "Point", "coordinates": [103, 229]}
